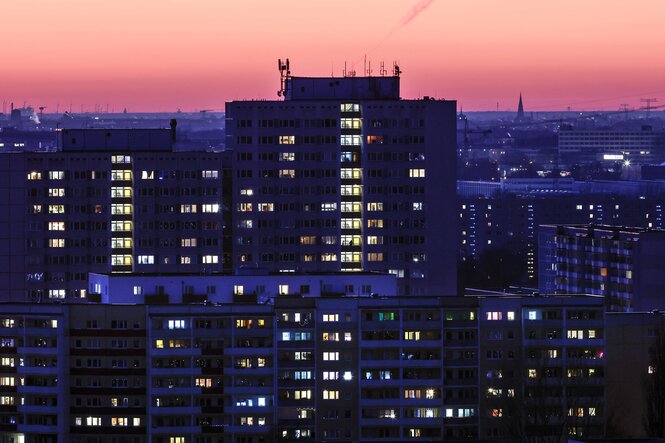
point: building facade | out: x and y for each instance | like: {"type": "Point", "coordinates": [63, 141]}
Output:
{"type": "Point", "coordinates": [342, 175]}
{"type": "Point", "coordinates": [304, 369]}
{"type": "Point", "coordinates": [109, 201]}
{"type": "Point", "coordinates": [621, 264]}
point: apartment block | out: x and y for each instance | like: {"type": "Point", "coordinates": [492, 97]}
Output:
{"type": "Point", "coordinates": [109, 201]}
{"type": "Point", "coordinates": [330, 368]}
{"type": "Point", "coordinates": [619, 263]}
{"type": "Point", "coordinates": [343, 175]}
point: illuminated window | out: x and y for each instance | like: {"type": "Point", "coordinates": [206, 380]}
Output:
{"type": "Point", "coordinates": [411, 335]}
{"type": "Point", "coordinates": [351, 257]}
{"type": "Point", "coordinates": [56, 226]}
{"type": "Point", "coordinates": [349, 107]}
{"type": "Point", "coordinates": [375, 256]}
{"type": "Point", "coordinates": [417, 206]}
{"type": "Point", "coordinates": [56, 175]}
{"type": "Point", "coordinates": [146, 259]}
{"type": "Point", "coordinates": [350, 123]}
{"type": "Point", "coordinates": [147, 175]}
{"type": "Point", "coordinates": [510, 315]}
{"type": "Point", "coordinates": [351, 190]}
{"type": "Point", "coordinates": [264, 207]}
{"type": "Point", "coordinates": [56, 293]}
{"type": "Point", "coordinates": [351, 173]}
{"type": "Point", "coordinates": [325, 207]}
{"type": "Point", "coordinates": [351, 240]}
{"type": "Point", "coordinates": [287, 173]}
{"type": "Point", "coordinates": [210, 259]}
{"type": "Point", "coordinates": [209, 174]}
{"type": "Point", "coordinates": [121, 159]}
{"type": "Point", "coordinates": [238, 290]}
{"type": "Point", "coordinates": [531, 373]}
{"type": "Point", "coordinates": [119, 421]}
{"type": "Point", "coordinates": [330, 375]}
{"type": "Point", "coordinates": [350, 140]}
{"type": "Point", "coordinates": [330, 336]}
{"type": "Point", "coordinates": [350, 223]}
{"type": "Point", "coordinates": [374, 240]}
{"type": "Point", "coordinates": [121, 260]}
{"type": "Point", "coordinates": [188, 242]}
{"type": "Point", "coordinates": [330, 394]}
{"type": "Point", "coordinates": [245, 224]}
{"type": "Point", "coordinates": [287, 156]}
{"type": "Point", "coordinates": [331, 356]}
{"type": "Point", "coordinates": [416, 173]}
{"type": "Point", "coordinates": [56, 209]}
{"type": "Point", "coordinates": [494, 315]}
{"type": "Point", "coordinates": [185, 260]}
{"type": "Point", "coordinates": [56, 243]}
{"type": "Point", "coordinates": [122, 243]}
{"type": "Point", "coordinates": [246, 192]}
{"type": "Point", "coordinates": [210, 208]}
{"type": "Point", "coordinates": [329, 256]}
{"type": "Point", "coordinates": [123, 175]}
{"type": "Point", "coordinates": [36, 209]}
{"type": "Point", "coordinates": [93, 421]}
{"type": "Point", "coordinates": [121, 209]}
{"type": "Point", "coordinates": [284, 290]}
{"type": "Point", "coordinates": [287, 139]}
{"type": "Point", "coordinates": [56, 192]}
{"type": "Point", "coordinates": [121, 192]}
{"type": "Point", "coordinates": [34, 175]}
{"type": "Point", "coordinates": [330, 317]}
{"type": "Point", "coordinates": [375, 223]}
{"type": "Point", "coordinates": [188, 209]}
{"type": "Point", "coordinates": [308, 240]}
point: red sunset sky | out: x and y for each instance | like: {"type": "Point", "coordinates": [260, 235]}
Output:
{"type": "Point", "coordinates": [158, 55]}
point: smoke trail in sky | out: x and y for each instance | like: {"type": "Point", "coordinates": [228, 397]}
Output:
{"type": "Point", "coordinates": [415, 11]}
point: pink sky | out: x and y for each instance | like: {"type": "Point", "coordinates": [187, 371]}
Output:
{"type": "Point", "coordinates": [158, 55]}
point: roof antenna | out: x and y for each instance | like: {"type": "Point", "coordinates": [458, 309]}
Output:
{"type": "Point", "coordinates": [284, 74]}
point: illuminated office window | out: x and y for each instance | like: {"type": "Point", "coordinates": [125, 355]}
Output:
{"type": "Point", "coordinates": [210, 208]}
{"type": "Point", "coordinates": [416, 173]}
{"type": "Point", "coordinates": [287, 156]}
{"type": "Point", "coordinates": [287, 139]}
{"type": "Point", "coordinates": [56, 209]}
{"type": "Point", "coordinates": [188, 209]}
{"type": "Point", "coordinates": [349, 107]}
{"type": "Point", "coordinates": [56, 175]}
{"type": "Point", "coordinates": [56, 242]}
{"type": "Point", "coordinates": [34, 175]}
{"type": "Point", "coordinates": [121, 159]}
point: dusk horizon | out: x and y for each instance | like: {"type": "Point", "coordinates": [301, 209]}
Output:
{"type": "Point", "coordinates": [164, 56]}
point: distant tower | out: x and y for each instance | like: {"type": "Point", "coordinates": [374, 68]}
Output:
{"type": "Point", "coordinates": [520, 110]}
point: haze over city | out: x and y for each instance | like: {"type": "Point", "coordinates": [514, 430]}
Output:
{"type": "Point", "coordinates": [160, 55]}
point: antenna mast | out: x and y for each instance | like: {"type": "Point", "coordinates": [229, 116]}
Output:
{"type": "Point", "coordinates": [284, 75]}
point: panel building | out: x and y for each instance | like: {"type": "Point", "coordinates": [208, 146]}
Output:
{"type": "Point", "coordinates": [343, 175]}
{"type": "Point", "coordinates": [621, 264]}
{"type": "Point", "coordinates": [108, 201]}
{"type": "Point", "coordinates": [304, 369]}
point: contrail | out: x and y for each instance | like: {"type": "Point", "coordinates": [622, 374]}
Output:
{"type": "Point", "coordinates": [417, 9]}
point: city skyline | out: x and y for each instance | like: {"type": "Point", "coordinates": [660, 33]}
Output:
{"type": "Point", "coordinates": [161, 56]}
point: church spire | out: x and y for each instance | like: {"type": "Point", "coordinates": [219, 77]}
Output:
{"type": "Point", "coordinates": [520, 109]}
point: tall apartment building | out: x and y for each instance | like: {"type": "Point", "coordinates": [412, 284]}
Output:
{"type": "Point", "coordinates": [109, 201]}
{"type": "Point", "coordinates": [343, 175]}
{"type": "Point", "coordinates": [621, 264]}
{"type": "Point", "coordinates": [303, 369]}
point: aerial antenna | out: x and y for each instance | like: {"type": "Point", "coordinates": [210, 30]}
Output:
{"type": "Point", "coordinates": [382, 69]}
{"type": "Point", "coordinates": [624, 108]}
{"type": "Point", "coordinates": [284, 74]}
{"type": "Point", "coordinates": [396, 70]}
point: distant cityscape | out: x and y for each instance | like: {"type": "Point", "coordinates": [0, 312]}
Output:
{"type": "Point", "coordinates": [339, 264]}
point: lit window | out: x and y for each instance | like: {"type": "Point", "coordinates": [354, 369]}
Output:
{"type": "Point", "coordinates": [56, 242]}
{"type": "Point", "coordinates": [210, 208]}
{"type": "Point", "coordinates": [34, 175]}
{"type": "Point", "coordinates": [287, 139]}
{"type": "Point", "coordinates": [287, 156]}
{"type": "Point", "coordinates": [331, 356]}
{"type": "Point", "coordinates": [188, 208]}
{"type": "Point", "coordinates": [209, 174]}
{"type": "Point", "coordinates": [330, 394]}
{"type": "Point", "coordinates": [264, 207]}
{"type": "Point", "coordinates": [56, 192]}
{"type": "Point", "coordinates": [56, 226]}
{"type": "Point", "coordinates": [146, 259]}
{"type": "Point", "coordinates": [416, 173]}
{"type": "Point", "coordinates": [210, 259]}
{"type": "Point", "coordinates": [510, 315]}
{"type": "Point", "coordinates": [56, 293]}
{"type": "Point", "coordinates": [330, 317]}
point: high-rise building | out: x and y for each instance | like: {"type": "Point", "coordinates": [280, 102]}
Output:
{"type": "Point", "coordinates": [343, 175]}
{"type": "Point", "coordinates": [621, 264]}
{"type": "Point", "coordinates": [109, 201]}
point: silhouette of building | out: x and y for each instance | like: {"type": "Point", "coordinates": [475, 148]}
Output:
{"type": "Point", "coordinates": [520, 111]}
{"type": "Point", "coordinates": [343, 175]}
